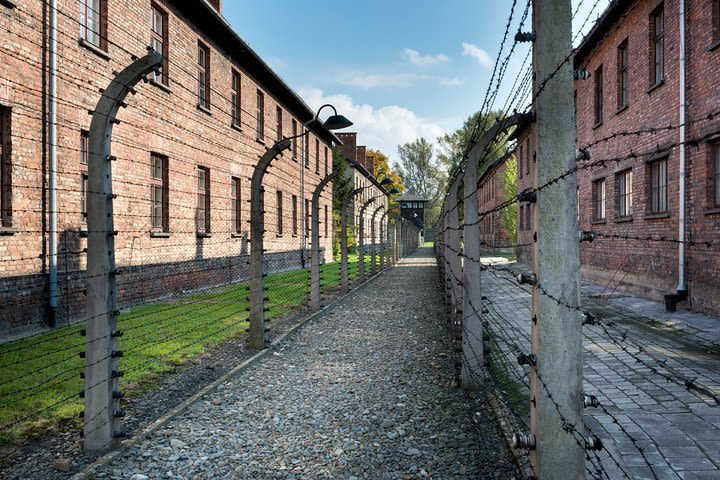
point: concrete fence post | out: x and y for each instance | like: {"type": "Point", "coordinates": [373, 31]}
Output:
{"type": "Point", "coordinates": [315, 243]}
{"type": "Point", "coordinates": [344, 277]}
{"type": "Point", "coordinates": [102, 397]}
{"type": "Point", "coordinates": [373, 245]}
{"type": "Point", "coordinates": [383, 228]}
{"type": "Point", "coordinates": [361, 240]}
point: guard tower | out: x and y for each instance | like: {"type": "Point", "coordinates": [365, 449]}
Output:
{"type": "Point", "coordinates": [412, 208]}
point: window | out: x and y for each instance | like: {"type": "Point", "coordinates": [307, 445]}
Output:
{"type": "Point", "coordinates": [317, 156]}
{"type": "Point", "coordinates": [307, 216]}
{"type": "Point", "coordinates": [203, 204]}
{"type": "Point", "coordinates": [599, 95]}
{"type": "Point", "coordinates": [294, 140]}
{"type": "Point", "coordinates": [294, 215]}
{"type": "Point", "coordinates": [716, 164]}
{"type": "Point", "coordinates": [159, 41]}
{"type": "Point", "coordinates": [528, 217]}
{"type": "Point", "coordinates": [203, 76]}
{"type": "Point", "coordinates": [658, 186]}
{"type": "Point", "coordinates": [716, 21]}
{"type": "Point", "coordinates": [521, 159]}
{"type": "Point", "coordinates": [657, 46]}
{"type": "Point", "coordinates": [6, 166]}
{"type": "Point", "coordinates": [278, 123]}
{"type": "Point", "coordinates": [624, 193]}
{"type": "Point", "coordinates": [622, 75]}
{"type": "Point", "coordinates": [326, 221]}
{"type": "Point", "coordinates": [326, 161]}
{"type": "Point", "coordinates": [260, 113]}
{"type": "Point", "coordinates": [93, 22]}
{"type": "Point", "coordinates": [527, 156]}
{"type": "Point", "coordinates": [599, 200]}
{"type": "Point", "coordinates": [306, 150]}
{"type": "Point", "coordinates": [236, 208]}
{"type": "Point", "coordinates": [235, 95]}
{"type": "Point", "coordinates": [279, 213]}
{"type": "Point", "coordinates": [83, 175]}
{"type": "Point", "coordinates": [159, 193]}
{"type": "Point", "coordinates": [522, 217]}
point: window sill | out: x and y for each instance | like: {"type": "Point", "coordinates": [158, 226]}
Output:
{"type": "Point", "coordinates": [161, 86]}
{"type": "Point", "coordinates": [712, 211]}
{"type": "Point", "coordinates": [621, 109]}
{"type": "Point", "coordinates": [156, 234]}
{"type": "Point", "coordinates": [8, 230]}
{"type": "Point", "coordinates": [237, 127]}
{"type": "Point", "coordinates": [623, 219]}
{"type": "Point", "coordinates": [597, 125]}
{"type": "Point", "coordinates": [652, 88]}
{"type": "Point", "coordinates": [204, 109]}
{"type": "Point", "coordinates": [8, 3]}
{"type": "Point", "coordinates": [657, 216]}
{"type": "Point", "coordinates": [278, 235]}
{"type": "Point", "coordinates": [714, 46]}
{"type": "Point", "coordinates": [237, 235]}
{"type": "Point", "coordinates": [260, 141]}
{"type": "Point", "coordinates": [599, 222]}
{"type": "Point", "coordinates": [95, 49]}
{"type": "Point", "coordinates": [83, 232]}
{"type": "Point", "coordinates": [203, 234]}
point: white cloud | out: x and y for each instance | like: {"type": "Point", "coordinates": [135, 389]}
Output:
{"type": "Point", "coordinates": [450, 82]}
{"type": "Point", "coordinates": [381, 128]}
{"type": "Point", "coordinates": [416, 59]}
{"type": "Point", "coordinates": [470, 50]}
{"type": "Point", "coordinates": [367, 81]}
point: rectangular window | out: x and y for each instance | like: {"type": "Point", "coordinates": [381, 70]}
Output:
{"type": "Point", "coordinates": [6, 166]}
{"type": "Point", "coordinates": [716, 164]}
{"type": "Point", "coordinates": [260, 115]}
{"type": "Point", "coordinates": [598, 95]}
{"type": "Point", "coordinates": [624, 187]}
{"type": "Point", "coordinates": [294, 140]}
{"type": "Point", "coordinates": [159, 40]}
{"type": "Point", "coordinates": [307, 216]}
{"type": "Point", "coordinates": [294, 215]}
{"type": "Point", "coordinates": [236, 208]}
{"type": "Point", "coordinates": [326, 221]}
{"type": "Point", "coordinates": [527, 156]}
{"type": "Point", "coordinates": [326, 161]}
{"type": "Point", "coordinates": [317, 156]}
{"type": "Point", "coordinates": [528, 217]}
{"type": "Point", "coordinates": [203, 203]}
{"type": "Point", "coordinates": [83, 175]}
{"type": "Point", "coordinates": [93, 22]}
{"type": "Point", "coordinates": [622, 75]}
{"type": "Point", "coordinates": [235, 95]}
{"type": "Point", "coordinates": [657, 46]}
{"type": "Point", "coordinates": [159, 193]}
{"type": "Point", "coordinates": [279, 206]}
{"type": "Point", "coordinates": [203, 66]}
{"type": "Point", "coordinates": [306, 150]}
{"type": "Point", "coordinates": [278, 123]}
{"type": "Point", "coordinates": [658, 186]}
{"type": "Point", "coordinates": [599, 200]}
{"type": "Point", "coordinates": [522, 217]}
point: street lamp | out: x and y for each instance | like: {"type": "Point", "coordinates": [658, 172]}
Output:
{"type": "Point", "coordinates": [257, 221]}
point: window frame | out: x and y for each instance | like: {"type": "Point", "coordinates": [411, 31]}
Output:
{"type": "Point", "coordinates": [306, 143]}
{"type": "Point", "coordinates": [326, 220]}
{"type": "Point", "coordinates": [294, 215]}
{"type": "Point", "coordinates": [308, 217]}
{"type": "Point", "coordinates": [657, 171]}
{"type": "Point", "coordinates": [260, 116]}
{"type": "Point", "coordinates": [235, 205]}
{"type": "Point", "coordinates": [599, 193]}
{"type": "Point", "coordinates": [203, 69]}
{"type": "Point", "coordinates": [6, 183]}
{"type": "Point", "coordinates": [161, 183]}
{"type": "Point", "coordinates": [624, 195]}
{"type": "Point", "coordinates": [203, 198]}
{"type": "Point", "coordinates": [236, 97]}
{"type": "Point", "coordinates": [84, 157]}
{"type": "Point", "coordinates": [294, 140]}
{"type": "Point", "coordinates": [163, 39]}
{"type": "Point", "coordinates": [279, 211]}
{"type": "Point", "coordinates": [657, 46]}
{"type": "Point", "coordinates": [326, 160]}
{"type": "Point", "coordinates": [623, 94]}
{"type": "Point", "coordinates": [598, 105]}
{"type": "Point", "coordinates": [317, 156]}
{"type": "Point", "coordinates": [87, 34]}
{"type": "Point", "coordinates": [279, 122]}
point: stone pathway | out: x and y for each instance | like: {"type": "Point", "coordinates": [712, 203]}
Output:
{"type": "Point", "coordinates": [365, 390]}
{"type": "Point", "coordinates": [677, 430]}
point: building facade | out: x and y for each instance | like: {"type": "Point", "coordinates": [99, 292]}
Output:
{"type": "Point", "coordinates": [185, 149]}
{"type": "Point", "coordinates": [629, 117]}
{"type": "Point", "coordinates": [494, 232]}
{"type": "Point", "coordinates": [526, 180]}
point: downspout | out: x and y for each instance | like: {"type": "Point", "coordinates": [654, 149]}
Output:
{"type": "Point", "coordinates": [52, 180]}
{"type": "Point", "coordinates": [682, 287]}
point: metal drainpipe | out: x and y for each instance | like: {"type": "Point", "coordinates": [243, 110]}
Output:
{"type": "Point", "coordinates": [682, 287]}
{"type": "Point", "coordinates": [52, 180]}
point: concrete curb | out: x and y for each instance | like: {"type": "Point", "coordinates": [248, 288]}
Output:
{"type": "Point", "coordinates": [163, 420]}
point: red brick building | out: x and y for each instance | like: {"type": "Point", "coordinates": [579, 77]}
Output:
{"type": "Point", "coordinates": [494, 232]}
{"type": "Point", "coordinates": [186, 146]}
{"type": "Point", "coordinates": [629, 117]}
{"type": "Point", "coordinates": [526, 156]}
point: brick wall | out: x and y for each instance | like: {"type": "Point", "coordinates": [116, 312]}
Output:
{"type": "Point", "coordinates": [162, 120]}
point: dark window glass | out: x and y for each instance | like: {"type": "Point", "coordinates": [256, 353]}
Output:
{"type": "Point", "coordinates": [657, 46]}
{"type": "Point", "coordinates": [159, 192]}
{"type": "Point", "coordinates": [260, 114]}
{"type": "Point", "coordinates": [236, 206]}
{"type": "Point", "coordinates": [599, 95]}
{"type": "Point", "coordinates": [235, 96]}
{"type": "Point", "coordinates": [279, 206]}
{"type": "Point", "coordinates": [622, 72]}
{"type": "Point", "coordinates": [658, 186]}
{"type": "Point", "coordinates": [203, 66]}
{"type": "Point", "coordinates": [6, 166]}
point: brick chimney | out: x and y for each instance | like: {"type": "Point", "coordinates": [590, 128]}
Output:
{"type": "Point", "coordinates": [362, 155]}
{"type": "Point", "coordinates": [349, 140]}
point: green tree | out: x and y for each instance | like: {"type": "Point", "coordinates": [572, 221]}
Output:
{"type": "Point", "coordinates": [418, 168]}
{"type": "Point", "coordinates": [382, 170]}
{"type": "Point", "coordinates": [508, 179]}
{"type": "Point", "coordinates": [453, 146]}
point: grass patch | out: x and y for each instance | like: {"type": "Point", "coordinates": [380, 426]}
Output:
{"type": "Point", "coordinates": [40, 376]}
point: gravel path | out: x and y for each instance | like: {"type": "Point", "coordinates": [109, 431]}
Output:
{"type": "Point", "coordinates": [365, 390]}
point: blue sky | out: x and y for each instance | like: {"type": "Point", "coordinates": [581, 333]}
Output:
{"type": "Point", "coordinates": [398, 69]}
